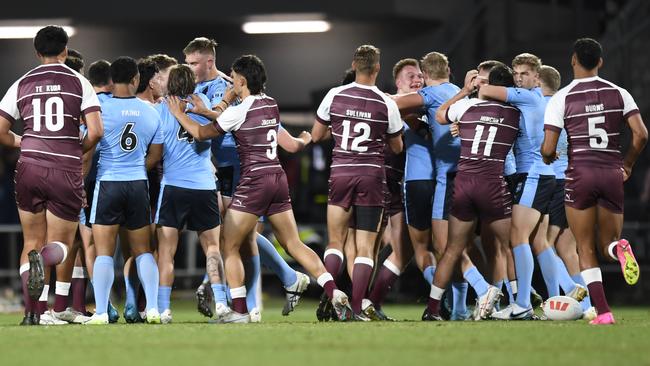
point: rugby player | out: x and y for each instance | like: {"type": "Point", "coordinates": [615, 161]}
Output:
{"type": "Point", "coordinates": [51, 99]}
{"type": "Point", "coordinates": [593, 112]}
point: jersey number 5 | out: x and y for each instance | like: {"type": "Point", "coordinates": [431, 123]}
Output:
{"type": "Point", "coordinates": [53, 114]}
{"type": "Point", "coordinates": [128, 140]}
{"type": "Point", "coordinates": [596, 133]}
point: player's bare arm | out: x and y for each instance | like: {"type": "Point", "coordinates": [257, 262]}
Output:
{"type": "Point", "coordinates": [293, 144]}
{"type": "Point", "coordinates": [549, 145]}
{"type": "Point", "coordinates": [95, 130]}
{"type": "Point", "coordinates": [493, 92]}
{"type": "Point", "coordinates": [320, 132]}
{"type": "Point", "coordinates": [639, 139]}
{"type": "Point", "coordinates": [407, 102]}
{"type": "Point", "coordinates": [7, 137]}
{"type": "Point", "coordinates": [87, 160]}
{"type": "Point", "coordinates": [199, 132]}
{"type": "Point", "coordinates": [154, 154]}
{"type": "Point", "coordinates": [468, 88]}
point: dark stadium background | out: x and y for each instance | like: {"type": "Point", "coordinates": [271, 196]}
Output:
{"type": "Point", "coordinates": [302, 67]}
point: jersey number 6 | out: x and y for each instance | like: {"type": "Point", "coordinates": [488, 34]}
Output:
{"type": "Point", "coordinates": [128, 140]}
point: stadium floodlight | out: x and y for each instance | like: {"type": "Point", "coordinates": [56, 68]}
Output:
{"type": "Point", "coordinates": [286, 23]}
{"type": "Point", "coordinates": [27, 29]}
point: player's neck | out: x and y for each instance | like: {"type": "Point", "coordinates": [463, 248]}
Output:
{"type": "Point", "coordinates": [212, 74]}
{"type": "Point", "coordinates": [436, 82]}
{"type": "Point", "coordinates": [101, 89]}
{"type": "Point", "coordinates": [581, 73]}
{"type": "Point", "coordinates": [147, 95]}
{"type": "Point", "coordinates": [365, 79]}
{"type": "Point", "coordinates": [51, 60]}
{"type": "Point", "coordinates": [122, 91]}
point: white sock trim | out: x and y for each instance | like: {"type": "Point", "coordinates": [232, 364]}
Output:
{"type": "Point", "coordinates": [392, 267]}
{"type": "Point", "coordinates": [333, 251]}
{"type": "Point", "coordinates": [513, 286]}
{"type": "Point", "coordinates": [364, 260]}
{"type": "Point", "coordinates": [23, 268]}
{"type": "Point", "coordinates": [238, 292]}
{"type": "Point", "coordinates": [436, 292]}
{"type": "Point", "coordinates": [63, 247]}
{"type": "Point", "coordinates": [592, 275]}
{"type": "Point", "coordinates": [324, 278]}
{"type": "Point", "coordinates": [78, 272]}
{"type": "Point", "coordinates": [610, 250]}
{"type": "Point", "coordinates": [62, 288]}
{"type": "Point", "coordinates": [45, 293]}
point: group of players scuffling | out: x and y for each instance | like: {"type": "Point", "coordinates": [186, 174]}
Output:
{"type": "Point", "coordinates": [509, 157]}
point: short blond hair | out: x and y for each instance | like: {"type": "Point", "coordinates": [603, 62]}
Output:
{"type": "Point", "coordinates": [435, 65]}
{"type": "Point", "coordinates": [365, 58]}
{"type": "Point", "coordinates": [550, 77]}
{"type": "Point", "coordinates": [201, 45]}
{"type": "Point", "coordinates": [401, 64]}
{"type": "Point", "coordinates": [529, 59]}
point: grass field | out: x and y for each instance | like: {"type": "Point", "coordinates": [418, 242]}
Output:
{"type": "Point", "coordinates": [300, 340]}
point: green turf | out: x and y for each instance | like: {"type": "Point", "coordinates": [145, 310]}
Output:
{"type": "Point", "coordinates": [300, 340]}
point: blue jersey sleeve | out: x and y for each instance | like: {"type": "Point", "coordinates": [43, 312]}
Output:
{"type": "Point", "coordinates": [218, 93]}
{"type": "Point", "coordinates": [428, 98]}
{"type": "Point", "coordinates": [520, 96]}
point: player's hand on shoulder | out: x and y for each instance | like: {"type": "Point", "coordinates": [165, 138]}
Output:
{"type": "Point", "coordinates": [198, 106]}
{"type": "Point", "coordinates": [229, 96]}
{"type": "Point", "coordinates": [176, 105]}
{"type": "Point", "coordinates": [470, 84]}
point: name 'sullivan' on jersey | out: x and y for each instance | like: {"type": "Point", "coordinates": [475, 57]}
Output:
{"type": "Point", "coordinates": [358, 114]}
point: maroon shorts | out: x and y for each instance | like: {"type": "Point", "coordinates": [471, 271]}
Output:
{"type": "Point", "coordinates": [586, 187]}
{"type": "Point", "coordinates": [394, 197]}
{"type": "Point", "coordinates": [478, 196]}
{"type": "Point", "coordinates": [361, 190]}
{"type": "Point", "coordinates": [262, 195]}
{"type": "Point", "coordinates": [58, 191]}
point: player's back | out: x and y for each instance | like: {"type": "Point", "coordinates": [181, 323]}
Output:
{"type": "Point", "coordinates": [445, 146]}
{"type": "Point", "coordinates": [214, 90]}
{"type": "Point", "coordinates": [130, 126]}
{"type": "Point", "coordinates": [51, 100]}
{"type": "Point", "coordinates": [360, 116]}
{"type": "Point", "coordinates": [257, 135]}
{"type": "Point", "coordinates": [186, 161]}
{"type": "Point", "coordinates": [487, 131]}
{"type": "Point", "coordinates": [594, 111]}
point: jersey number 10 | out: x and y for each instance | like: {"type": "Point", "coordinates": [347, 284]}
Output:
{"type": "Point", "coordinates": [53, 114]}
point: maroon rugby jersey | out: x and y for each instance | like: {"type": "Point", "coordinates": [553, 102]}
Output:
{"type": "Point", "coordinates": [487, 131]}
{"type": "Point", "coordinates": [593, 112]}
{"type": "Point", "coordinates": [50, 99]}
{"type": "Point", "coordinates": [254, 123]}
{"type": "Point", "coordinates": [361, 118]}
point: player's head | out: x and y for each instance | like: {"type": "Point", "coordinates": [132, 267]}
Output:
{"type": "Point", "coordinates": [348, 77]}
{"type": "Point", "coordinates": [165, 64]}
{"type": "Point", "coordinates": [501, 75]}
{"type": "Point", "coordinates": [51, 41]}
{"type": "Point", "coordinates": [148, 71]}
{"type": "Point", "coordinates": [407, 75]}
{"type": "Point", "coordinates": [366, 60]}
{"type": "Point", "coordinates": [248, 71]}
{"type": "Point", "coordinates": [181, 81]}
{"type": "Point", "coordinates": [484, 69]}
{"type": "Point", "coordinates": [435, 66]}
{"type": "Point", "coordinates": [587, 53]}
{"type": "Point", "coordinates": [124, 70]}
{"type": "Point", "coordinates": [201, 55]}
{"type": "Point", "coordinates": [75, 60]}
{"type": "Point", "coordinates": [526, 68]}
{"type": "Point", "coordinates": [549, 79]}
{"type": "Point", "coordinates": [99, 74]}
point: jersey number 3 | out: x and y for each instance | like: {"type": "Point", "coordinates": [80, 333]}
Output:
{"type": "Point", "coordinates": [128, 140]}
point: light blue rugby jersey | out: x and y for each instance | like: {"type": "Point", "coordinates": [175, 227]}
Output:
{"type": "Point", "coordinates": [532, 105]}
{"type": "Point", "coordinates": [446, 148]}
{"type": "Point", "coordinates": [223, 147]}
{"type": "Point", "coordinates": [186, 162]}
{"type": "Point", "coordinates": [560, 165]}
{"type": "Point", "coordinates": [130, 126]}
{"type": "Point", "coordinates": [419, 156]}
{"type": "Point", "coordinates": [92, 172]}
